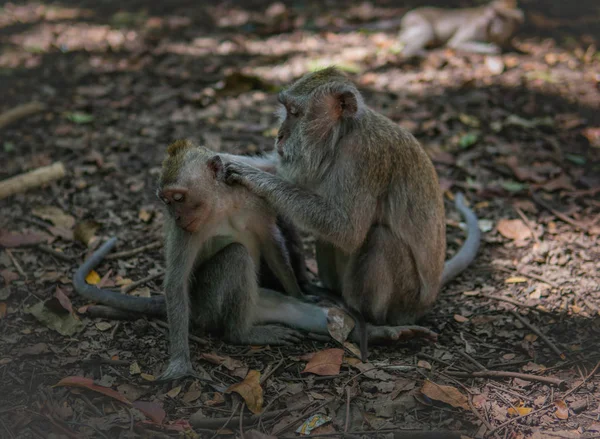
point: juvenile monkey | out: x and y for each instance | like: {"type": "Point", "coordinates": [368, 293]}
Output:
{"type": "Point", "coordinates": [484, 29]}
{"type": "Point", "coordinates": [216, 236]}
{"type": "Point", "coordinates": [367, 190]}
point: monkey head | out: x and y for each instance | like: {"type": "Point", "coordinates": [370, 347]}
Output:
{"type": "Point", "coordinates": [507, 18]}
{"type": "Point", "coordinates": [190, 181]}
{"type": "Point", "coordinates": [314, 113]}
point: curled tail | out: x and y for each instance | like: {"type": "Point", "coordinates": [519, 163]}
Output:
{"type": "Point", "coordinates": [144, 305]}
{"type": "Point", "coordinates": [468, 251]}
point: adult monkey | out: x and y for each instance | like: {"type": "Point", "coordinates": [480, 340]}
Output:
{"type": "Point", "coordinates": [368, 191]}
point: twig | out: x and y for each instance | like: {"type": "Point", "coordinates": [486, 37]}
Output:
{"type": "Point", "coordinates": [210, 423]}
{"type": "Point", "coordinates": [16, 263]}
{"type": "Point", "coordinates": [267, 375]}
{"type": "Point", "coordinates": [479, 415]}
{"type": "Point", "coordinates": [347, 410]}
{"type": "Point", "coordinates": [527, 223]}
{"type": "Point", "coordinates": [242, 435]}
{"type": "Point", "coordinates": [20, 112]}
{"type": "Point", "coordinates": [398, 434]}
{"type": "Point", "coordinates": [539, 334]}
{"type": "Point", "coordinates": [32, 179]}
{"type": "Point", "coordinates": [135, 251]}
{"type": "Point", "coordinates": [127, 288]}
{"type": "Point", "coordinates": [530, 275]}
{"type": "Point", "coordinates": [592, 373]}
{"type": "Point", "coordinates": [505, 424]}
{"type": "Point", "coordinates": [56, 254]}
{"type": "Point", "coordinates": [567, 219]}
{"type": "Point", "coordinates": [502, 374]}
{"type": "Point", "coordinates": [511, 301]}
{"type": "Point", "coordinates": [472, 360]}
{"type": "Point", "coordinates": [227, 421]}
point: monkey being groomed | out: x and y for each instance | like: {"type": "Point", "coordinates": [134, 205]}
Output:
{"type": "Point", "coordinates": [216, 236]}
{"type": "Point", "coordinates": [484, 29]}
{"type": "Point", "coordinates": [369, 193]}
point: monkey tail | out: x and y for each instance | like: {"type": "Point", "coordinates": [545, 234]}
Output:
{"type": "Point", "coordinates": [144, 305]}
{"type": "Point", "coordinates": [468, 251]}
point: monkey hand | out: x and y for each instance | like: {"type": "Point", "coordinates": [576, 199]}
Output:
{"type": "Point", "coordinates": [235, 172]}
{"type": "Point", "coordinates": [386, 334]}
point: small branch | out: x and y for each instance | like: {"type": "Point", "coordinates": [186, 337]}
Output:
{"type": "Point", "coordinates": [567, 219]}
{"type": "Point", "coordinates": [532, 276]}
{"type": "Point", "coordinates": [539, 334]}
{"type": "Point", "coordinates": [592, 373]}
{"type": "Point", "coordinates": [56, 254]}
{"type": "Point", "coordinates": [32, 179]}
{"type": "Point", "coordinates": [129, 253]}
{"type": "Point", "coordinates": [214, 423]}
{"type": "Point", "coordinates": [472, 360]}
{"type": "Point", "coordinates": [20, 112]}
{"type": "Point", "coordinates": [502, 374]}
{"type": "Point", "coordinates": [16, 263]}
{"type": "Point", "coordinates": [511, 301]}
{"type": "Point", "coordinates": [527, 223]}
{"type": "Point", "coordinates": [127, 288]}
{"type": "Point", "coordinates": [507, 423]}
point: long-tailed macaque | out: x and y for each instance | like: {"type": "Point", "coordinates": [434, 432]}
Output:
{"type": "Point", "coordinates": [216, 236]}
{"type": "Point", "coordinates": [485, 29]}
{"type": "Point", "coordinates": [368, 191]}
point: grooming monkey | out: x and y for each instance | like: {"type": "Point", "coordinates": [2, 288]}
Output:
{"type": "Point", "coordinates": [367, 190]}
{"type": "Point", "coordinates": [216, 236]}
{"type": "Point", "coordinates": [485, 29]}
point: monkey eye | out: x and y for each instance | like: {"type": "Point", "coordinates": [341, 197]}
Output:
{"type": "Point", "coordinates": [293, 111]}
{"type": "Point", "coordinates": [178, 197]}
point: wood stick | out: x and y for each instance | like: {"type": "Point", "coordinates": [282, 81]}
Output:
{"type": "Point", "coordinates": [212, 423]}
{"type": "Point", "coordinates": [567, 219]}
{"type": "Point", "coordinates": [592, 373]}
{"type": "Point", "coordinates": [539, 334]}
{"type": "Point", "coordinates": [31, 179]}
{"type": "Point", "coordinates": [511, 301]}
{"type": "Point", "coordinates": [19, 112]}
{"type": "Point", "coordinates": [502, 374]}
{"type": "Point", "coordinates": [135, 251]}
{"type": "Point", "coordinates": [127, 288]}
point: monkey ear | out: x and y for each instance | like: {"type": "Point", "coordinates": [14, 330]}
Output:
{"type": "Point", "coordinates": [215, 164]}
{"type": "Point", "coordinates": [336, 102]}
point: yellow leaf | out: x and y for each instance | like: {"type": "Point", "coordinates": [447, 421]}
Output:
{"type": "Point", "coordinates": [515, 280]}
{"type": "Point", "coordinates": [448, 394]}
{"type": "Point", "coordinates": [174, 392]}
{"type": "Point", "coordinates": [148, 377]}
{"type": "Point", "coordinates": [562, 411]}
{"type": "Point", "coordinates": [519, 411]}
{"type": "Point", "coordinates": [92, 278]}
{"type": "Point", "coordinates": [250, 390]}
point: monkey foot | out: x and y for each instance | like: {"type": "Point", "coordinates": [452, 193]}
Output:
{"type": "Point", "coordinates": [273, 335]}
{"type": "Point", "coordinates": [177, 370]}
{"type": "Point", "coordinates": [382, 334]}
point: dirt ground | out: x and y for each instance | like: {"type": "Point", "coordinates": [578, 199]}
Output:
{"type": "Point", "coordinates": [519, 133]}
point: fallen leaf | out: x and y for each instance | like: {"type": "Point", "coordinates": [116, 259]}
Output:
{"type": "Point", "coordinates": [55, 215]}
{"type": "Point", "coordinates": [311, 423]}
{"type": "Point", "coordinates": [62, 298]}
{"type": "Point", "coordinates": [191, 396]}
{"type": "Point", "coordinates": [88, 383]}
{"type": "Point", "coordinates": [508, 357]}
{"type": "Point", "coordinates": [513, 186]}
{"type": "Point", "coordinates": [593, 136]}
{"type": "Point", "coordinates": [148, 377]}
{"type": "Point", "coordinates": [79, 117]}
{"type": "Point", "coordinates": [326, 362]}
{"type": "Point", "coordinates": [151, 410]}
{"type": "Point", "coordinates": [447, 394]}
{"type": "Point", "coordinates": [339, 324]}
{"type": "Point", "coordinates": [531, 337]}
{"type": "Point", "coordinates": [217, 399]}
{"type": "Point", "coordinates": [468, 140]}
{"type": "Point", "coordinates": [513, 229]}
{"type": "Point", "coordinates": [10, 239]}
{"type": "Point", "coordinates": [515, 280]}
{"type": "Point", "coordinates": [36, 349]}
{"type": "Point", "coordinates": [134, 368]}
{"type": "Point", "coordinates": [562, 182]}
{"type": "Point", "coordinates": [562, 410]}
{"type": "Point", "coordinates": [85, 231]}
{"type": "Point", "coordinates": [251, 391]}
{"type": "Point", "coordinates": [519, 410]}
{"type": "Point", "coordinates": [103, 326]}
{"type": "Point", "coordinates": [460, 319]}
{"type": "Point", "coordinates": [131, 392]}
{"type": "Point", "coordinates": [64, 323]}
{"type": "Point", "coordinates": [92, 278]}
{"type": "Point", "coordinates": [174, 392]}
{"type": "Point", "coordinates": [424, 364]}
{"type": "Point", "coordinates": [228, 362]}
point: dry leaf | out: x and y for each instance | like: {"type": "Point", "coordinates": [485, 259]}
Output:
{"type": "Point", "coordinates": [55, 215]}
{"type": "Point", "coordinates": [513, 229]}
{"type": "Point", "coordinates": [62, 298]}
{"type": "Point", "coordinates": [36, 349]}
{"type": "Point", "coordinates": [92, 278]}
{"type": "Point", "coordinates": [148, 377]}
{"type": "Point", "coordinates": [424, 364]}
{"type": "Point", "coordinates": [152, 410]}
{"type": "Point", "coordinates": [562, 410]}
{"type": "Point", "coordinates": [174, 392]}
{"type": "Point", "coordinates": [228, 362]}
{"type": "Point", "coordinates": [460, 319]}
{"type": "Point", "coordinates": [21, 239]}
{"type": "Point", "coordinates": [519, 410]}
{"type": "Point", "coordinates": [250, 390]}
{"type": "Point", "coordinates": [191, 396]}
{"type": "Point", "coordinates": [85, 231]}
{"type": "Point", "coordinates": [88, 383]}
{"type": "Point", "coordinates": [327, 362]}
{"type": "Point", "coordinates": [447, 394]}
{"type": "Point", "coordinates": [531, 337]}
{"type": "Point", "coordinates": [339, 324]}
{"type": "Point", "coordinates": [515, 280]}
{"type": "Point", "coordinates": [134, 369]}
{"type": "Point", "coordinates": [103, 326]}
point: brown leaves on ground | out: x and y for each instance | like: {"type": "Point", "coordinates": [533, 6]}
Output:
{"type": "Point", "coordinates": [514, 229]}
{"type": "Point", "coordinates": [251, 390]}
{"type": "Point", "coordinates": [447, 394]}
{"type": "Point", "coordinates": [327, 362]}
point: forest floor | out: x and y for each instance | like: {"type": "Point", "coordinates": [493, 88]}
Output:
{"type": "Point", "coordinates": [518, 133]}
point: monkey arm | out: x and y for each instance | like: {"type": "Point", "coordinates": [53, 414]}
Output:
{"type": "Point", "coordinates": [343, 221]}
{"type": "Point", "coordinates": [267, 163]}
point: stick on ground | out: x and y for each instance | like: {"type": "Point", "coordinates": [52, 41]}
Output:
{"type": "Point", "coordinates": [19, 112]}
{"type": "Point", "coordinates": [540, 334]}
{"type": "Point", "coordinates": [31, 179]}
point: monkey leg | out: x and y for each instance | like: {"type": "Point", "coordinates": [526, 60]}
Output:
{"type": "Point", "coordinates": [417, 35]}
{"type": "Point", "coordinates": [225, 295]}
{"type": "Point", "coordinates": [381, 280]}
